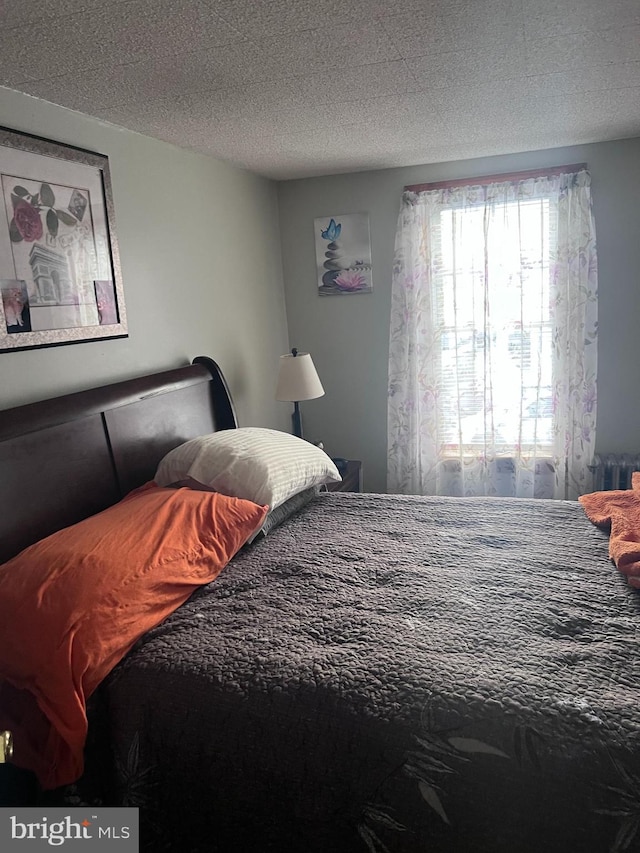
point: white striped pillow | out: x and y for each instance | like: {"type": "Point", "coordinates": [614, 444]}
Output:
{"type": "Point", "coordinates": [265, 466]}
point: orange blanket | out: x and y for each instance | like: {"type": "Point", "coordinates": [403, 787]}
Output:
{"type": "Point", "coordinates": [619, 510]}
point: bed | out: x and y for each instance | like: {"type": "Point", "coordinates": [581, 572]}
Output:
{"type": "Point", "coordinates": [379, 673]}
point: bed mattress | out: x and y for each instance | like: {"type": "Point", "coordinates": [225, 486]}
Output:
{"type": "Point", "coordinates": [387, 673]}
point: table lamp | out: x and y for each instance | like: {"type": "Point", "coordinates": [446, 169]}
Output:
{"type": "Point", "coordinates": [297, 380]}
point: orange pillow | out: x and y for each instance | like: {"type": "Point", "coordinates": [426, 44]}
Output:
{"type": "Point", "coordinates": [73, 604]}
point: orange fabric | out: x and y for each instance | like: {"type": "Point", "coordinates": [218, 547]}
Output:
{"type": "Point", "coordinates": [619, 510]}
{"type": "Point", "coordinates": [72, 605]}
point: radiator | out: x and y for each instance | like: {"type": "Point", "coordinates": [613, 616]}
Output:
{"type": "Point", "coordinates": [613, 470]}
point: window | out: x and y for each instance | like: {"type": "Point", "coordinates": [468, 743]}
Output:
{"type": "Point", "coordinates": [492, 299]}
{"type": "Point", "coordinates": [492, 355]}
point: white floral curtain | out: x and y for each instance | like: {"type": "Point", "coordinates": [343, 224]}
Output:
{"type": "Point", "coordinates": [492, 357]}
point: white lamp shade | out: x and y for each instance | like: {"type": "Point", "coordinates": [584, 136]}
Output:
{"type": "Point", "coordinates": [298, 379]}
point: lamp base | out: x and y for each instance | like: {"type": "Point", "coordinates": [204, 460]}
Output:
{"type": "Point", "coordinates": [296, 420]}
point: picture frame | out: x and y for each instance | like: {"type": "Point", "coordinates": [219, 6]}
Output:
{"type": "Point", "coordinates": [60, 278]}
{"type": "Point", "coordinates": [343, 254]}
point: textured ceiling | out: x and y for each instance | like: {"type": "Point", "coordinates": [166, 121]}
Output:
{"type": "Point", "coordinates": [292, 88]}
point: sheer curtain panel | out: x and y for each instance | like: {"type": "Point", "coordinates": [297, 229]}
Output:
{"type": "Point", "coordinates": [493, 356]}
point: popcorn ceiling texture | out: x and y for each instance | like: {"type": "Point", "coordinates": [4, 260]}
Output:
{"type": "Point", "coordinates": [294, 89]}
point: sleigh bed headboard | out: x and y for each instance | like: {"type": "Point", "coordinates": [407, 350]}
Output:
{"type": "Point", "coordinates": [64, 459]}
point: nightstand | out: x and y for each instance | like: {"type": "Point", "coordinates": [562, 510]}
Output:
{"type": "Point", "coordinates": [351, 479]}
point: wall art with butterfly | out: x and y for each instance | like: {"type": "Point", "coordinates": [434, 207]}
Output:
{"type": "Point", "coordinates": [343, 254]}
{"type": "Point", "coordinates": [60, 279]}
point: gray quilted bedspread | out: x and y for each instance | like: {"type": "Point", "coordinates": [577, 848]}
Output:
{"type": "Point", "coordinates": [390, 673]}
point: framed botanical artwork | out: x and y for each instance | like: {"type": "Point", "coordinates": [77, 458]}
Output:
{"type": "Point", "coordinates": [343, 254]}
{"type": "Point", "coordinates": [60, 278]}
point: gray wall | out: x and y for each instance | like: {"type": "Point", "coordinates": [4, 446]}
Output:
{"type": "Point", "coordinates": [348, 335]}
{"type": "Point", "coordinates": [200, 255]}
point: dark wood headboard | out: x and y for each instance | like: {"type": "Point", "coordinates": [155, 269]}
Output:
{"type": "Point", "coordinates": [64, 459]}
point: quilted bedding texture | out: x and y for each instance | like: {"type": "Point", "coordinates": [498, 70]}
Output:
{"type": "Point", "coordinates": [388, 673]}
